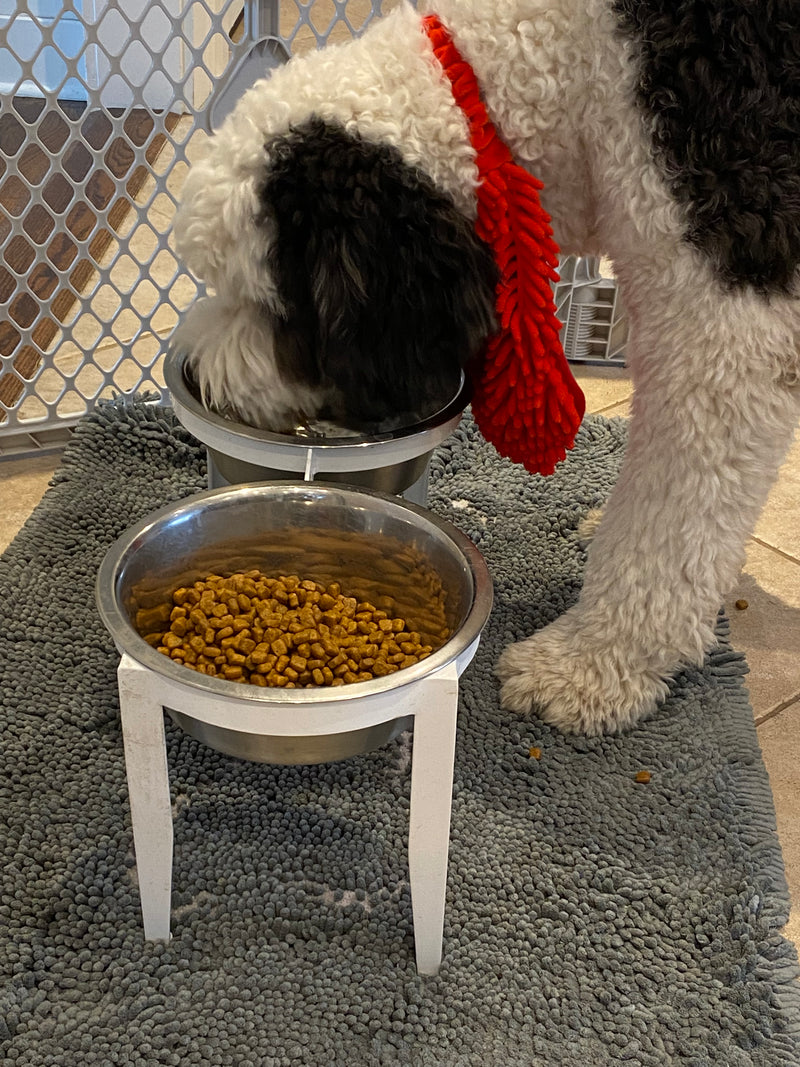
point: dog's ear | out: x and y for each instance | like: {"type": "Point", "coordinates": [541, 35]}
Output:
{"type": "Point", "coordinates": [388, 292]}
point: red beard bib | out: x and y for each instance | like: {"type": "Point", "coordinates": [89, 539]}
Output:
{"type": "Point", "coordinates": [524, 399]}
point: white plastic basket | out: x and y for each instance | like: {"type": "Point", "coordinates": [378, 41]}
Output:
{"type": "Point", "coordinates": [595, 324]}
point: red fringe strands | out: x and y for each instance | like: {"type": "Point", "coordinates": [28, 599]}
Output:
{"type": "Point", "coordinates": [524, 399]}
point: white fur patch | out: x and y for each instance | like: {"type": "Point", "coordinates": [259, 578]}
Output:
{"type": "Point", "coordinates": [230, 352]}
{"type": "Point", "coordinates": [385, 86]}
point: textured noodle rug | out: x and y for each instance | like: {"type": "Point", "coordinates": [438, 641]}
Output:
{"type": "Point", "coordinates": [591, 920]}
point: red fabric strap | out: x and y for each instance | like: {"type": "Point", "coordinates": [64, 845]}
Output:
{"type": "Point", "coordinates": [524, 399]}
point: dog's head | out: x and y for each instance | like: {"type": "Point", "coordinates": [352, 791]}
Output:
{"type": "Point", "coordinates": [348, 279]}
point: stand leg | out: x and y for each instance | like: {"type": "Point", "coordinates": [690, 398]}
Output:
{"type": "Point", "coordinates": [148, 788]}
{"type": "Point", "coordinates": [215, 478]}
{"type": "Point", "coordinates": [417, 492]}
{"type": "Point", "coordinates": [429, 828]}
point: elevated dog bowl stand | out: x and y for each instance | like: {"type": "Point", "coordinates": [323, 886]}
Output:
{"type": "Point", "coordinates": [430, 702]}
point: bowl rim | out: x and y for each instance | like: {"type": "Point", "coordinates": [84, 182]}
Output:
{"type": "Point", "coordinates": [175, 368]}
{"type": "Point", "coordinates": [129, 641]}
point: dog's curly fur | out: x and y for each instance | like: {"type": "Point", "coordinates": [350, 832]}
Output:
{"type": "Point", "coordinates": [667, 136]}
{"type": "Point", "coordinates": [387, 291]}
{"type": "Point", "coordinates": [721, 85]}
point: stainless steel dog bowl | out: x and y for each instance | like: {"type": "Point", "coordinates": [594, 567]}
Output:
{"type": "Point", "coordinates": [394, 462]}
{"type": "Point", "coordinates": [326, 532]}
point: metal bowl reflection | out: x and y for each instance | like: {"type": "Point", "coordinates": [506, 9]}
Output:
{"type": "Point", "coordinates": [364, 540]}
{"type": "Point", "coordinates": [391, 462]}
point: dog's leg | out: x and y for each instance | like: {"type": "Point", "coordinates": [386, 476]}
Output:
{"type": "Point", "coordinates": [715, 368]}
{"type": "Point", "coordinates": [716, 400]}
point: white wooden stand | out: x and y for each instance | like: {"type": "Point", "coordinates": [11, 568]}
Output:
{"type": "Point", "coordinates": [433, 703]}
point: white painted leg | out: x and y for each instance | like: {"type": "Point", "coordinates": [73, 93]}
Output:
{"type": "Point", "coordinates": [429, 825]}
{"type": "Point", "coordinates": [148, 788]}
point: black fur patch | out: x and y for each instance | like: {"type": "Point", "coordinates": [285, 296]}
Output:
{"type": "Point", "coordinates": [721, 80]}
{"type": "Point", "coordinates": [388, 290]}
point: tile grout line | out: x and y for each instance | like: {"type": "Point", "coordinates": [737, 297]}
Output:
{"type": "Point", "coordinates": [773, 548]}
{"type": "Point", "coordinates": [162, 333]}
{"type": "Point", "coordinates": [773, 713]}
{"type": "Point", "coordinates": [608, 407]}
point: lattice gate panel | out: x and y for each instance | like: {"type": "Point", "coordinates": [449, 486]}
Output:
{"type": "Point", "coordinates": [102, 109]}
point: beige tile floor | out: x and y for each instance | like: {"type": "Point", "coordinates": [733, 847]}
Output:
{"type": "Point", "coordinates": [767, 631]}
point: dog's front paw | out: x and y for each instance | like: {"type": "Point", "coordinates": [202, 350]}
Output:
{"type": "Point", "coordinates": [577, 686]}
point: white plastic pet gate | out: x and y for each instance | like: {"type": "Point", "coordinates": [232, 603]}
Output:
{"type": "Point", "coordinates": [102, 107]}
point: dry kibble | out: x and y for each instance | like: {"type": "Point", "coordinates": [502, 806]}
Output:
{"type": "Point", "coordinates": [643, 777]}
{"type": "Point", "coordinates": [148, 620]}
{"type": "Point", "coordinates": [535, 753]}
{"type": "Point", "coordinates": [286, 632]}
{"type": "Point", "coordinates": [741, 605]}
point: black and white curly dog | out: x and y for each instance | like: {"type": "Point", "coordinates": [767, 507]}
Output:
{"type": "Point", "coordinates": [333, 217]}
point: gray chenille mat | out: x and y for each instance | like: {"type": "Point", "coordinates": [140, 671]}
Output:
{"type": "Point", "coordinates": [590, 920]}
